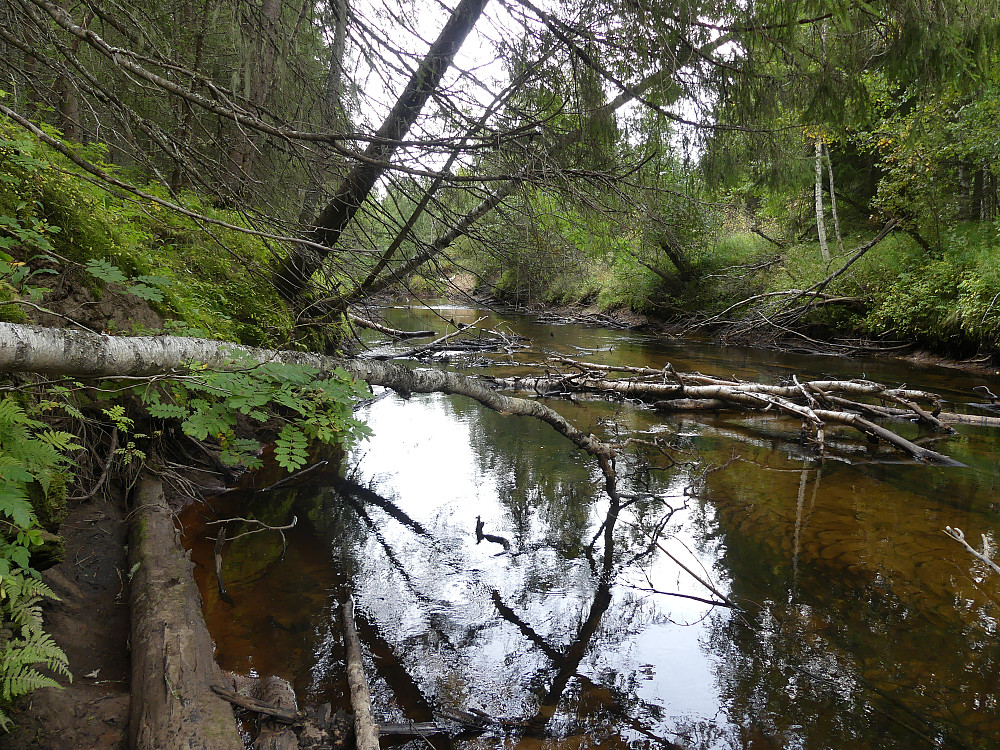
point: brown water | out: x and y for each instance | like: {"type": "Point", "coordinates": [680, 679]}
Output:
{"type": "Point", "coordinates": [858, 623]}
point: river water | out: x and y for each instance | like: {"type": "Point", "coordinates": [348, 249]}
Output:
{"type": "Point", "coordinates": [857, 622]}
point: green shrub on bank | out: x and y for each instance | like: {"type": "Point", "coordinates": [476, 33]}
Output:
{"type": "Point", "coordinates": [215, 279]}
{"type": "Point", "coordinates": [948, 300]}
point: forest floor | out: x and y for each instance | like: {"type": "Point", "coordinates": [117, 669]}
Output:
{"type": "Point", "coordinates": [90, 622]}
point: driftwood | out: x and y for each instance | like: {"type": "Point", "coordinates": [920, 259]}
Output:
{"type": "Point", "coordinates": [274, 734]}
{"type": "Point", "coordinates": [388, 331]}
{"type": "Point", "coordinates": [484, 341]}
{"type": "Point", "coordinates": [172, 657]}
{"type": "Point", "coordinates": [365, 729]}
{"type": "Point", "coordinates": [959, 536]}
{"type": "Point", "coordinates": [816, 403]}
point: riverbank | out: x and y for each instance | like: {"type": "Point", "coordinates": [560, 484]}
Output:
{"type": "Point", "coordinates": [882, 290]}
{"type": "Point", "coordinates": [625, 317]}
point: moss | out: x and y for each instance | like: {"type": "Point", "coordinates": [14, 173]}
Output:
{"type": "Point", "coordinates": [10, 313]}
{"type": "Point", "coordinates": [50, 505]}
{"type": "Point", "coordinates": [218, 282]}
{"type": "Point", "coordinates": [52, 551]}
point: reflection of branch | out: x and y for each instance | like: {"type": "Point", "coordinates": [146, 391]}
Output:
{"type": "Point", "coordinates": [959, 536]}
{"type": "Point", "coordinates": [529, 632]}
{"type": "Point", "coordinates": [360, 492]}
{"type": "Point", "coordinates": [697, 577]}
{"type": "Point", "coordinates": [653, 590]}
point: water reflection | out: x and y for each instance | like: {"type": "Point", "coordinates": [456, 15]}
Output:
{"type": "Point", "coordinates": [858, 623]}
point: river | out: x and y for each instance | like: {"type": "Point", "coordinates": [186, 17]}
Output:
{"type": "Point", "coordinates": [857, 622]}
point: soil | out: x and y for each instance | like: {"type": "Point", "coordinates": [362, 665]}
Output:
{"type": "Point", "coordinates": [91, 624]}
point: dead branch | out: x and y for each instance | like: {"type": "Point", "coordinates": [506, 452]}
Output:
{"type": "Point", "coordinates": [462, 328]}
{"type": "Point", "coordinates": [381, 328]}
{"type": "Point", "coordinates": [365, 729]}
{"type": "Point", "coordinates": [801, 400]}
{"type": "Point", "coordinates": [959, 536]}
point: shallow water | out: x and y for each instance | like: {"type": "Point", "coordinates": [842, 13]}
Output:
{"type": "Point", "coordinates": [858, 623]}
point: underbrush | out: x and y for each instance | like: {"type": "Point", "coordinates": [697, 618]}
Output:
{"type": "Point", "coordinates": [947, 299]}
{"type": "Point", "coordinates": [212, 279]}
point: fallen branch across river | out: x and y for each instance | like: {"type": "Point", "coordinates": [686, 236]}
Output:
{"type": "Point", "coordinates": [816, 403]}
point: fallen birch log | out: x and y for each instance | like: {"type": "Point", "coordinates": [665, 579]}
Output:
{"type": "Point", "coordinates": [699, 392]}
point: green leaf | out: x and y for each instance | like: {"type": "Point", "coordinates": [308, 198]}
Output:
{"type": "Point", "coordinates": [105, 271]}
{"type": "Point", "coordinates": [168, 411]}
{"type": "Point", "coordinates": [290, 448]}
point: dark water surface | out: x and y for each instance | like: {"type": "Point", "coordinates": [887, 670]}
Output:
{"type": "Point", "coordinates": [859, 623]}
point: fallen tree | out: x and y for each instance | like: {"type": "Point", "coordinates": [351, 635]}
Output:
{"type": "Point", "coordinates": [60, 351]}
{"type": "Point", "coordinates": [172, 654]}
{"type": "Point", "coordinates": [816, 403]}
{"type": "Point", "coordinates": [69, 352]}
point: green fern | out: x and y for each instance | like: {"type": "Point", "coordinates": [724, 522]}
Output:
{"type": "Point", "coordinates": [25, 647]}
{"type": "Point", "coordinates": [32, 460]}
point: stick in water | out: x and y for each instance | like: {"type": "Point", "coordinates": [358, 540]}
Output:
{"type": "Point", "coordinates": [365, 729]}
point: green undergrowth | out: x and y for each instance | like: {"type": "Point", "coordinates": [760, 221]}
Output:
{"type": "Point", "coordinates": [209, 279]}
{"type": "Point", "coordinates": [946, 299]}
{"type": "Point", "coordinates": [68, 239]}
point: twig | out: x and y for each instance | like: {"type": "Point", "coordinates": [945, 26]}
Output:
{"type": "Point", "coordinates": [437, 341]}
{"type": "Point", "coordinates": [959, 536]}
{"type": "Point", "coordinates": [219, 543]}
{"type": "Point", "coordinates": [105, 472]}
{"type": "Point", "coordinates": [294, 476]}
{"type": "Point", "coordinates": [280, 529]}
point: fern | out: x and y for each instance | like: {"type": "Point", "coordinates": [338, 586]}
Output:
{"type": "Point", "coordinates": [30, 455]}
{"type": "Point", "coordinates": [25, 647]}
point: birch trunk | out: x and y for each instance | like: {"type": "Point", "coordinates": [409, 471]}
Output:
{"type": "Point", "coordinates": [833, 203]}
{"type": "Point", "coordinates": [824, 249]}
{"type": "Point", "coordinates": [61, 351]}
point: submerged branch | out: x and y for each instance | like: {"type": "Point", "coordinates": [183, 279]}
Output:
{"type": "Point", "coordinates": [808, 401]}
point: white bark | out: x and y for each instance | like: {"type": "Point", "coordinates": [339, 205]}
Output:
{"type": "Point", "coordinates": [60, 351]}
{"type": "Point", "coordinates": [833, 203]}
{"type": "Point", "coordinates": [820, 222]}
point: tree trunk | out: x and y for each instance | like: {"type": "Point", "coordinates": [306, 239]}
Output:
{"type": "Point", "coordinates": [506, 189]}
{"type": "Point", "coordinates": [173, 666]}
{"type": "Point", "coordinates": [293, 275]}
{"type": "Point", "coordinates": [259, 72]}
{"type": "Point", "coordinates": [61, 351]}
{"type": "Point", "coordinates": [833, 203]}
{"type": "Point", "coordinates": [332, 110]}
{"type": "Point", "coordinates": [824, 249]}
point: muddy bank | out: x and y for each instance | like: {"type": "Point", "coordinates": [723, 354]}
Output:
{"type": "Point", "coordinates": [129, 619]}
{"type": "Point", "coordinates": [90, 623]}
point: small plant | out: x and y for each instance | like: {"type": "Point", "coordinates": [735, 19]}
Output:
{"type": "Point", "coordinates": [24, 645]}
{"type": "Point", "coordinates": [144, 287]}
{"type": "Point", "coordinates": [30, 455]}
{"type": "Point", "coordinates": [208, 403]}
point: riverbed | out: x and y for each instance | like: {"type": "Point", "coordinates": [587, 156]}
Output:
{"type": "Point", "coordinates": [749, 594]}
